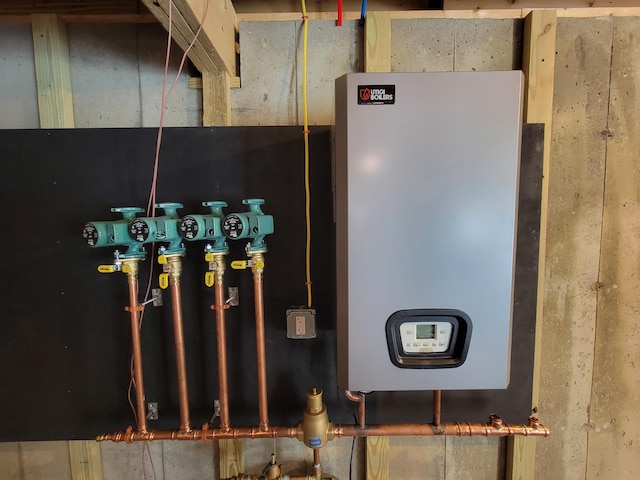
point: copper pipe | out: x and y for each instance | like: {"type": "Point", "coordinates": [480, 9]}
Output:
{"type": "Point", "coordinates": [204, 434]}
{"type": "Point", "coordinates": [437, 406]}
{"type": "Point", "coordinates": [495, 428]}
{"type": "Point", "coordinates": [257, 269]}
{"type": "Point", "coordinates": [317, 468]}
{"type": "Point", "coordinates": [459, 429]}
{"type": "Point", "coordinates": [221, 342]}
{"type": "Point", "coordinates": [181, 362]}
{"type": "Point", "coordinates": [358, 397]}
{"type": "Point", "coordinates": [134, 310]}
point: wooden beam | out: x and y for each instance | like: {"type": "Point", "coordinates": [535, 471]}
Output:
{"type": "Point", "coordinates": [231, 457]}
{"type": "Point", "coordinates": [85, 460]}
{"type": "Point", "coordinates": [533, 4]}
{"type": "Point", "coordinates": [216, 101]}
{"type": "Point", "coordinates": [377, 458]}
{"type": "Point", "coordinates": [53, 77]}
{"type": "Point", "coordinates": [180, 32]}
{"type": "Point", "coordinates": [215, 47]}
{"type": "Point", "coordinates": [377, 42]}
{"type": "Point", "coordinates": [538, 64]}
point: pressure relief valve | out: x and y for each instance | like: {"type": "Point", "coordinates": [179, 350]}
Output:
{"type": "Point", "coordinates": [253, 224]}
{"type": "Point", "coordinates": [165, 228]}
{"type": "Point", "coordinates": [115, 233]}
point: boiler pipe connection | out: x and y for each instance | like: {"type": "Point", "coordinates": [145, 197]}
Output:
{"type": "Point", "coordinates": [360, 398]}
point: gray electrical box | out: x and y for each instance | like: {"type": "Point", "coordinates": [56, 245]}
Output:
{"type": "Point", "coordinates": [426, 177]}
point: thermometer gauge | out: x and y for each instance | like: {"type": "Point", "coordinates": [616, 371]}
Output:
{"type": "Point", "coordinates": [139, 230]}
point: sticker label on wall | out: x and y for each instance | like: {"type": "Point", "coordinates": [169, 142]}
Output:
{"type": "Point", "coordinates": [376, 94]}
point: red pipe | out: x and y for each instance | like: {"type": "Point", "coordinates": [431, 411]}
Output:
{"type": "Point", "coordinates": [339, 21]}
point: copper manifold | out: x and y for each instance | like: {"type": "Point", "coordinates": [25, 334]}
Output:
{"type": "Point", "coordinates": [495, 428]}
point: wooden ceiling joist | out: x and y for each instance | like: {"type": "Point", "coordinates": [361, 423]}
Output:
{"type": "Point", "coordinates": [215, 47]}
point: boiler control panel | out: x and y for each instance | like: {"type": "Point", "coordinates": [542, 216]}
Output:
{"type": "Point", "coordinates": [425, 337]}
{"type": "Point", "coordinates": [428, 338]}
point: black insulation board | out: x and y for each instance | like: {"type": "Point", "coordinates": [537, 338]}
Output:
{"type": "Point", "coordinates": [64, 334]}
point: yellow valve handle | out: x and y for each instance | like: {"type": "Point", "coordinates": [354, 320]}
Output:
{"type": "Point", "coordinates": [260, 265]}
{"type": "Point", "coordinates": [163, 280]}
{"type": "Point", "coordinates": [106, 268]}
{"type": "Point", "coordinates": [162, 260]}
{"type": "Point", "coordinates": [126, 268]}
{"type": "Point", "coordinates": [209, 257]}
{"type": "Point", "coordinates": [209, 278]}
{"type": "Point", "coordinates": [239, 264]}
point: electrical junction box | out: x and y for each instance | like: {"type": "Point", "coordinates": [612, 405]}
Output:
{"type": "Point", "coordinates": [301, 323]}
{"type": "Point", "coordinates": [426, 193]}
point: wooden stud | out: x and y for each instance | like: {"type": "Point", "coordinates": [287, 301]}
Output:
{"type": "Point", "coordinates": [231, 457]}
{"type": "Point", "coordinates": [377, 42]}
{"type": "Point", "coordinates": [538, 64]}
{"type": "Point", "coordinates": [377, 458]}
{"type": "Point", "coordinates": [377, 58]}
{"type": "Point", "coordinates": [53, 77]}
{"type": "Point", "coordinates": [85, 460]}
{"type": "Point", "coordinates": [216, 99]}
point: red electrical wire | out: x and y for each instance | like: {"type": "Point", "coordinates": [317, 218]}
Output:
{"type": "Point", "coordinates": [339, 21]}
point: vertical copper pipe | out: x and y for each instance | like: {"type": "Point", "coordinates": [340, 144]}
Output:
{"type": "Point", "coordinates": [317, 468]}
{"type": "Point", "coordinates": [437, 406]}
{"type": "Point", "coordinates": [134, 311]}
{"type": "Point", "coordinates": [221, 342]}
{"type": "Point", "coordinates": [181, 363]}
{"type": "Point", "coordinates": [360, 398]}
{"type": "Point", "coordinates": [258, 265]}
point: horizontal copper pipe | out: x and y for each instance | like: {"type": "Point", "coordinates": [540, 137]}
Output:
{"type": "Point", "coordinates": [495, 428]}
{"type": "Point", "coordinates": [204, 434]}
{"type": "Point", "coordinates": [457, 429]}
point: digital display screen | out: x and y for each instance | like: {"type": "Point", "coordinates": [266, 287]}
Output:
{"type": "Point", "coordinates": [425, 331]}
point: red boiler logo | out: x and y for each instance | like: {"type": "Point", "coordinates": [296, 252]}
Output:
{"type": "Point", "coordinates": [365, 94]}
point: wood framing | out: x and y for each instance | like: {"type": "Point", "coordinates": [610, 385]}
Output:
{"type": "Point", "coordinates": [231, 457]}
{"type": "Point", "coordinates": [215, 46]}
{"type": "Point", "coordinates": [377, 58]}
{"type": "Point", "coordinates": [377, 458]}
{"type": "Point", "coordinates": [377, 42]}
{"type": "Point", "coordinates": [216, 102]}
{"type": "Point", "coordinates": [53, 78]}
{"type": "Point", "coordinates": [538, 64]}
{"type": "Point", "coordinates": [85, 460]}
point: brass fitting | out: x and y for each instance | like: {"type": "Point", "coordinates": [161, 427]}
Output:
{"type": "Point", "coordinates": [175, 264]}
{"type": "Point", "coordinates": [257, 265]}
{"type": "Point", "coordinates": [315, 430]}
{"type": "Point", "coordinates": [218, 258]}
{"type": "Point", "coordinates": [132, 267]}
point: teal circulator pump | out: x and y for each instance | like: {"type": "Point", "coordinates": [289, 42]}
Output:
{"type": "Point", "coordinates": [115, 233]}
{"type": "Point", "coordinates": [165, 228]}
{"type": "Point", "coordinates": [207, 227]}
{"type": "Point", "coordinates": [253, 224]}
